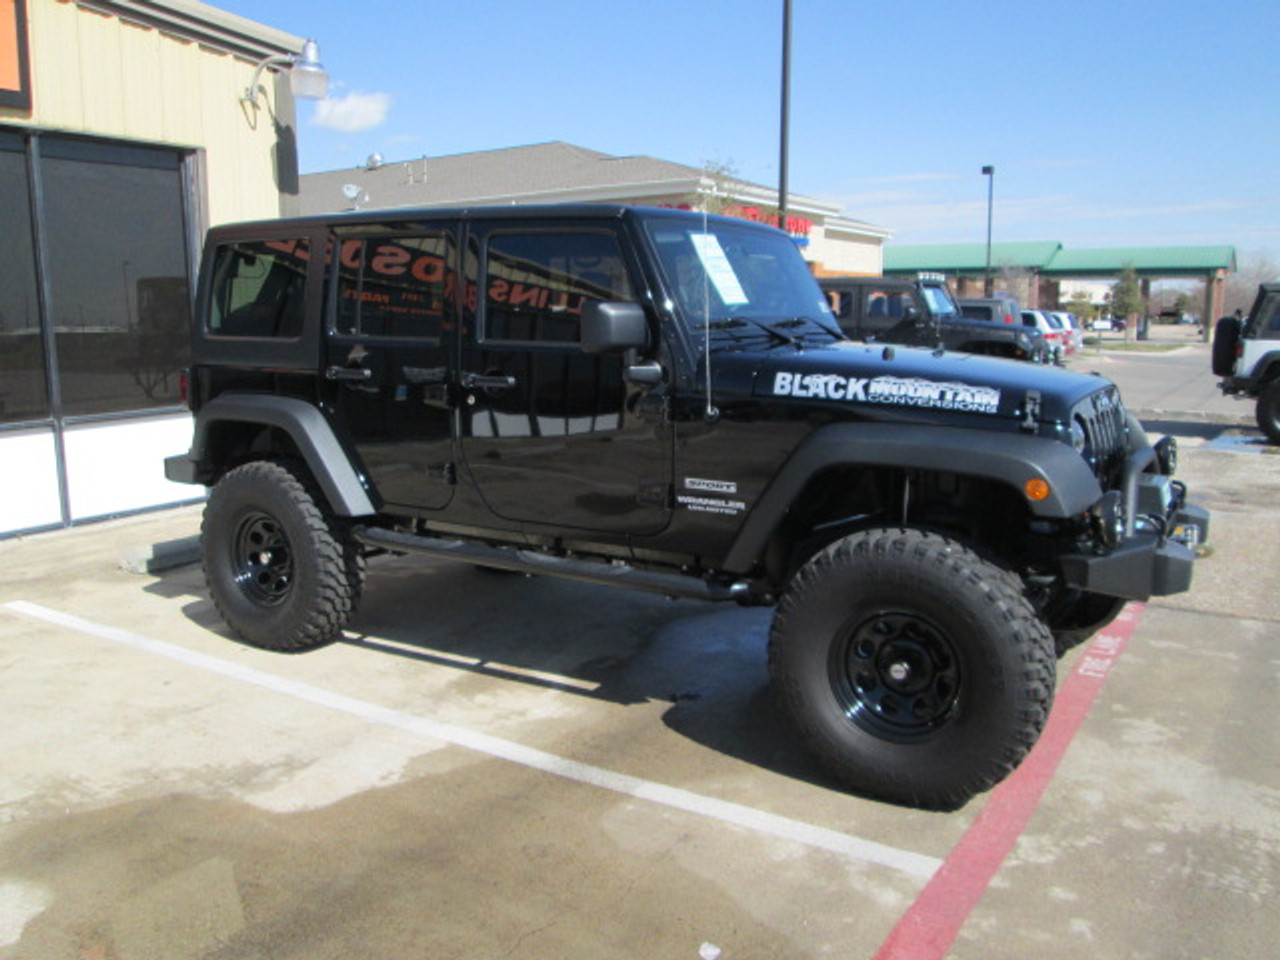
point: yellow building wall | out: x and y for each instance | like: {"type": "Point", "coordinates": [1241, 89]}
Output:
{"type": "Point", "coordinates": [103, 75]}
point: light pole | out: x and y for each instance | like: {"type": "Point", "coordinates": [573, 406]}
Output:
{"type": "Point", "coordinates": [990, 174]}
{"type": "Point", "coordinates": [786, 96]}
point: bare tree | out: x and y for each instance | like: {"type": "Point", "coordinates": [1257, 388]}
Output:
{"type": "Point", "coordinates": [1254, 267]}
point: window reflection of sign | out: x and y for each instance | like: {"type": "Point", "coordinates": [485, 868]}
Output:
{"type": "Point", "coordinates": [395, 286]}
{"type": "Point", "coordinates": [15, 68]}
{"type": "Point", "coordinates": [539, 296]}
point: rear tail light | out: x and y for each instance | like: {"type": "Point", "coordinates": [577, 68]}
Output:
{"type": "Point", "coordinates": [184, 387]}
{"type": "Point", "coordinates": [1008, 318]}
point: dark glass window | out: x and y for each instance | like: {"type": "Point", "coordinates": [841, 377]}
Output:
{"type": "Point", "coordinates": [537, 283]}
{"type": "Point", "coordinates": [23, 390]}
{"type": "Point", "coordinates": [259, 288]}
{"type": "Point", "coordinates": [394, 286]}
{"type": "Point", "coordinates": [116, 242]}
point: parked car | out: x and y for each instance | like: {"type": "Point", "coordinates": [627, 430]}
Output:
{"type": "Point", "coordinates": [1004, 313]}
{"type": "Point", "coordinates": [1071, 327]}
{"type": "Point", "coordinates": [1055, 348]}
{"type": "Point", "coordinates": [920, 312]}
{"type": "Point", "coordinates": [1246, 354]}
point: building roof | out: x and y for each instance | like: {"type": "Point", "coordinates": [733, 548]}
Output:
{"type": "Point", "coordinates": [1165, 261]}
{"type": "Point", "coordinates": [966, 257]}
{"type": "Point", "coordinates": [1052, 259]}
{"type": "Point", "coordinates": [206, 24]}
{"type": "Point", "coordinates": [540, 173]}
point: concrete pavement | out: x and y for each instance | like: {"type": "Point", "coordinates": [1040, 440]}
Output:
{"type": "Point", "coordinates": [499, 766]}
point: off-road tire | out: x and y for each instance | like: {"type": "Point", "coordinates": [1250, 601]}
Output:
{"type": "Point", "coordinates": [283, 572]}
{"type": "Point", "coordinates": [1226, 334]}
{"type": "Point", "coordinates": [911, 668]}
{"type": "Point", "coordinates": [1268, 410]}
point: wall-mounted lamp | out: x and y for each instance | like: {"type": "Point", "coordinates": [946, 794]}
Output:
{"type": "Point", "coordinates": [307, 77]}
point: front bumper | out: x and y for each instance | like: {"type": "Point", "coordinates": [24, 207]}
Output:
{"type": "Point", "coordinates": [1145, 564]}
{"type": "Point", "coordinates": [1153, 551]}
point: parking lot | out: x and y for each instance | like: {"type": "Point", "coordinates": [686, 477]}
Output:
{"type": "Point", "coordinates": [499, 766]}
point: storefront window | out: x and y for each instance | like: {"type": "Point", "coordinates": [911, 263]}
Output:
{"type": "Point", "coordinates": [23, 390]}
{"type": "Point", "coordinates": [117, 264]}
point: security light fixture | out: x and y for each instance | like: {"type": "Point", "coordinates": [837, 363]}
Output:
{"type": "Point", "coordinates": [307, 77]}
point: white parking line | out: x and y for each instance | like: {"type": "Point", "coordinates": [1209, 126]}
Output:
{"type": "Point", "coordinates": [914, 864]}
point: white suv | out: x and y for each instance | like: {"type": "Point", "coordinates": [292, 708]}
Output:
{"type": "Point", "coordinates": [1246, 354]}
{"type": "Point", "coordinates": [1055, 345]}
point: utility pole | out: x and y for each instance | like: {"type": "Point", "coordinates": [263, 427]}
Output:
{"type": "Point", "coordinates": [786, 96]}
{"type": "Point", "coordinates": [990, 174]}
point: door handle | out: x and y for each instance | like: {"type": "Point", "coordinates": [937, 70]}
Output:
{"type": "Point", "coordinates": [479, 381]}
{"type": "Point", "coordinates": [348, 373]}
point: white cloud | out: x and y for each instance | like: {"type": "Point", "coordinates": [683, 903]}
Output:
{"type": "Point", "coordinates": [352, 113]}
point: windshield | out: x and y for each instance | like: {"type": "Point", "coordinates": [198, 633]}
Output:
{"type": "Point", "coordinates": [941, 305]}
{"type": "Point", "coordinates": [730, 276]}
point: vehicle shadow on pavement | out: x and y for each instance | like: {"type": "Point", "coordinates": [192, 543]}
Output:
{"type": "Point", "coordinates": [707, 660]}
{"type": "Point", "coordinates": [1189, 430]}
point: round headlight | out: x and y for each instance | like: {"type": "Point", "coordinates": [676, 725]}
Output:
{"type": "Point", "coordinates": [1079, 436]}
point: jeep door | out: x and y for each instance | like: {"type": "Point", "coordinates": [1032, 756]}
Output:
{"type": "Point", "coordinates": [550, 434]}
{"type": "Point", "coordinates": [392, 297]}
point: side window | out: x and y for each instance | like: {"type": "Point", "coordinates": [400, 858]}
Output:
{"type": "Point", "coordinates": [841, 303]}
{"type": "Point", "coordinates": [258, 288]}
{"type": "Point", "coordinates": [883, 308]}
{"type": "Point", "coordinates": [394, 286]}
{"type": "Point", "coordinates": [1271, 317]}
{"type": "Point", "coordinates": [536, 283]}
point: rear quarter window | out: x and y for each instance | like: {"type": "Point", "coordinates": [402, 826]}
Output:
{"type": "Point", "coordinates": [258, 288]}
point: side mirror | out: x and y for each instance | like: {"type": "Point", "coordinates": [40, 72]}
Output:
{"type": "Point", "coordinates": [611, 327]}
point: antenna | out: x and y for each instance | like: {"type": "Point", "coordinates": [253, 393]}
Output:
{"type": "Point", "coordinates": [710, 414]}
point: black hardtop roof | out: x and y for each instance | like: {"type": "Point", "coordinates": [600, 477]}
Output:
{"type": "Point", "coordinates": [400, 215]}
{"type": "Point", "coordinates": [833, 283]}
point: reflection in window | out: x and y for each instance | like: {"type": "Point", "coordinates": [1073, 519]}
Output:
{"type": "Point", "coordinates": [537, 283]}
{"type": "Point", "coordinates": [23, 393]}
{"type": "Point", "coordinates": [120, 303]}
{"type": "Point", "coordinates": [258, 288]}
{"type": "Point", "coordinates": [394, 286]}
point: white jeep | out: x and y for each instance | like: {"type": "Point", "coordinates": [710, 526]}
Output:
{"type": "Point", "coordinates": [1246, 354]}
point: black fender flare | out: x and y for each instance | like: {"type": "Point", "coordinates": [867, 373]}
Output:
{"type": "Point", "coordinates": [307, 427]}
{"type": "Point", "coordinates": [1010, 459]}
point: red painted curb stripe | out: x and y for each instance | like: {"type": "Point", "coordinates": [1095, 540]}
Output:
{"type": "Point", "coordinates": [932, 923]}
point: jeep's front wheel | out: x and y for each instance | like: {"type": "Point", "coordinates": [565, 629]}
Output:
{"type": "Point", "coordinates": [283, 573]}
{"type": "Point", "coordinates": [913, 670]}
{"type": "Point", "coordinates": [1268, 410]}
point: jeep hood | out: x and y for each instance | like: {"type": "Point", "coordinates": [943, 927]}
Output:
{"type": "Point", "coordinates": [897, 380]}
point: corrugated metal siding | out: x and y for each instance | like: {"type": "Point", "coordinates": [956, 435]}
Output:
{"type": "Point", "coordinates": [98, 74]}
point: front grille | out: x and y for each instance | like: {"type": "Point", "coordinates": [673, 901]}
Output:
{"type": "Point", "coordinates": [1106, 427]}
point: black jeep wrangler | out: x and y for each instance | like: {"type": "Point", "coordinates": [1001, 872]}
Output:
{"type": "Point", "coordinates": [662, 400]}
{"type": "Point", "coordinates": [922, 313]}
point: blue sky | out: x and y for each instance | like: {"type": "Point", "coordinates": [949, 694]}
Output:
{"type": "Point", "coordinates": [1108, 123]}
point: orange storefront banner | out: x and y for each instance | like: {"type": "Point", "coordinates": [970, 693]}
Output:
{"type": "Point", "coordinates": [15, 72]}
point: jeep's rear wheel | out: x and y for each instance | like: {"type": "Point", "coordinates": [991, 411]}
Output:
{"type": "Point", "coordinates": [913, 670]}
{"type": "Point", "coordinates": [283, 573]}
{"type": "Point", "coordinates": [1268, 410]}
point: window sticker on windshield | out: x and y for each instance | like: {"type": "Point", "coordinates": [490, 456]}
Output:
{"type": "Point", "coordinates": [718, 268]}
